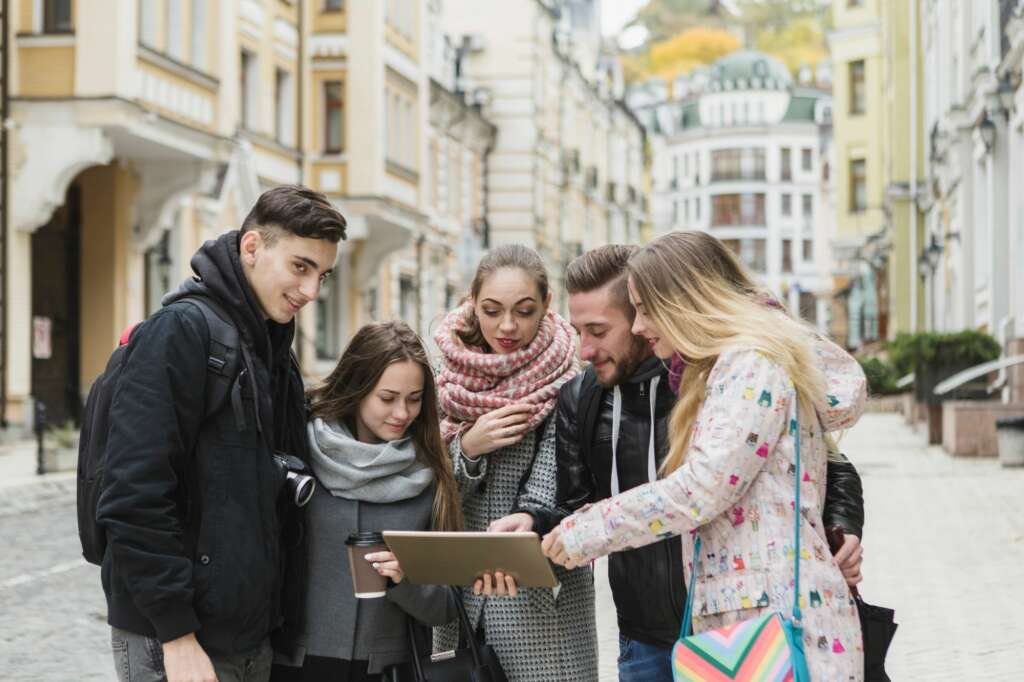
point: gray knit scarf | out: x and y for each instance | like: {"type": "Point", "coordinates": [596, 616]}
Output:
{"type": "Point", "coordinates": [370, 472]}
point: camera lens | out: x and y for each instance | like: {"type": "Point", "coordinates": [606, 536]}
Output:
{"type": "Point", "coordinates": [303, 487]}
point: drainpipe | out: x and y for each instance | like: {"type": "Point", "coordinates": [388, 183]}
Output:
{"type": "Point", "coordinates": [5, 102]}
{"type": "Point", "coordinates": [300, 111]}
{"type": "Point", "coordinates": [912, 202]}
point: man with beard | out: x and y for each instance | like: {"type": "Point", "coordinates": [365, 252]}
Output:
{"type": "Point", "coordinates": [613, 435]}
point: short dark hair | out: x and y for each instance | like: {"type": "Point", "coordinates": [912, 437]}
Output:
{"type": "Point", "coordinates": [296, 210]}
{"type": "Point", "coordinates": [599, 267]}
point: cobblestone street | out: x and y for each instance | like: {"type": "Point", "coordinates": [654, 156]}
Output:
{"type": "Point", "coordinates": [942, 546]}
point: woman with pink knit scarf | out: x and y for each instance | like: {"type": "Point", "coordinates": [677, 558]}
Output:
{"type": "Point", "coordinates": [504, 357]}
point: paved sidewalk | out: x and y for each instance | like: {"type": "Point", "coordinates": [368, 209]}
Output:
{"type": "Point", "coordinates": [21, 489]}
{"type": "Point", "coordinates": [944, 546]}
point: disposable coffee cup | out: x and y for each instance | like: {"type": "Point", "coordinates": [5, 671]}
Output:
{"type": "Point", "coordinates": [367, 583]}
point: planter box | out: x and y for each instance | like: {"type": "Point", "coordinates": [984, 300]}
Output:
{"type": "Point", "coordinates": [969, 426]}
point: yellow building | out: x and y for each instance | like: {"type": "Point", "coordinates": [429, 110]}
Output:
{"type": "Point", "coordinates": [878, 114]}
{"type": "Point", "coordinates": [140, 128]}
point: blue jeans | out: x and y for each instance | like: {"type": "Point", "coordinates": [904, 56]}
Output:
{"type": "Point", "coordinates": [138, 658]}
{"type": "Point", "coordinates": [640, 662]}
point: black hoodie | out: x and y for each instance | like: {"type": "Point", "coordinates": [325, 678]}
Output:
{"type": "Point", "coordinates": [191, 505]}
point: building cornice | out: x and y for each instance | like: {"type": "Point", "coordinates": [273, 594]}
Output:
{"type": "Point", "coordinates": [871, 29]}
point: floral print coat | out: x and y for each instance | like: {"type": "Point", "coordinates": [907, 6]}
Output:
{"type": "Point", "coordinates": [735, 490]}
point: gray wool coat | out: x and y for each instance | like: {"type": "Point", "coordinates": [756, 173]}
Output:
{"type": "Point", "coordinates": [541, 634]}
{"type": "Point", "coordinates": [336, 624]}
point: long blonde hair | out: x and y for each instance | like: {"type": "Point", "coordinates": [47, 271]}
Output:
{"type": "Point", "coordinates": [704, 303]}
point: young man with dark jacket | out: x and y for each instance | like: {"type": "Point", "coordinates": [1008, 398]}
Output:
{"type": "Point", "coordinates": [192, 502]}
{"type": "Point", "coordinates": [613, 435]}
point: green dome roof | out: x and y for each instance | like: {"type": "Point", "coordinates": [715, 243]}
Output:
{"type": "Point", "coordinates": [749, 70]}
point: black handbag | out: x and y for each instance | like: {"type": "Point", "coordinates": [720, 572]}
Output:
{"type": "Point", "coordinates": [877, 623]}
{"type": "Point", "coordinates": [475, 662]}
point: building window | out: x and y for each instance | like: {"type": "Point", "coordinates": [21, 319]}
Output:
{"type": "Point", "coordinates": [858, 185]}
{"type": "Point", "coordinates": [808, 307]}
{"type": "Point", "coordinates": [327, 340]}
{"type": "Point", "coordinates": [808, 206]}
{"type": "Point", "coordinates": [284, 122]}
{"type": "Point", "coordinates": [858, 92]}
{"type": "Point", "coordinates": [675, 213]}
{"type": "Point", "coordinates": [787, 164]}
{"type": "Point", "coordinates": [249, 81]}
{"type": "Point", "coordinates": [334, 120]}
{"type": "Point", "coordinates": [751, 252]}
{"type": "Point", "coordinates": [737, 209]}
{"type": "Point", "coordinates": [808, 250]}
{"type": "Point", "coordinates": [200, 39]}
{"type": "Point", "coordinates": [737, 164]}
{"type": "Point", "coordinates": [696, 209]}
{"type": "Point", "coordinates": [57, 16]}
{"type": "Point", "coordinates": [787, 205]}
{"type": "Point", "coordinates": [148, 23]}
{"type": "Point", "coordinates": [806, 160]}
{"type": "Point", "coordinates": [407, 300]}
{"type": "Point", "coordinates": [787, 255]}
{"type": "Point", "coordinates": [333, 5]}
{"type": "Point", "coordinates": [175, 29]}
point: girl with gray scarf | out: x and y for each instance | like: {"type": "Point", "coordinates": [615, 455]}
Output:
{"type": "Point", "coordinates": [376, 450]}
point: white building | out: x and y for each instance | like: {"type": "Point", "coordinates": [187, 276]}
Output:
{"type": "Point", "coordinates": [567, 170]}
{"type": "Point", "coordinates": [741, 155]}
{"type": "Point", "coordinates": [974, 112]}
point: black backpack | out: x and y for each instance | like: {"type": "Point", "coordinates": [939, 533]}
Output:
{"type": "Point", "coordinates": [224, 358]}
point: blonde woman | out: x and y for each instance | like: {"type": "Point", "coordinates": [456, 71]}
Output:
{"type": "Point", "coordinates": [729, 476]}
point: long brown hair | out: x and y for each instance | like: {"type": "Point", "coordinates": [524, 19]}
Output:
{"type": "Point", "coordinates": [370, 352]}
{"type": "Point", "coordinates": [702, 300]}
{"type": "Point", "coordinates": [514, 256]}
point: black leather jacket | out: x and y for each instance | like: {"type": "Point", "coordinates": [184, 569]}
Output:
{"type": "Point", "coordinates": [647, 583]}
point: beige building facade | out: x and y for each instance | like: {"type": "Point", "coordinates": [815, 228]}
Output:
{"type": "Point", "coordinates": [140, 128]}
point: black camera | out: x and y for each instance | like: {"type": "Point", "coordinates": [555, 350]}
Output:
{"type": "Point", "coordinates": [297, 481]}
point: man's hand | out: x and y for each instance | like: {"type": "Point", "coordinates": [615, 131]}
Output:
{"type": "Point", "coordinates": [513, 523]}
{"type": "Point", "coordinates": [849, 558]}
{"type": "Point", "coordinates": [185, 661]}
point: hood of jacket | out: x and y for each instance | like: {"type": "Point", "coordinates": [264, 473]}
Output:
{"type": "Point", "coordinates": [219, 275]}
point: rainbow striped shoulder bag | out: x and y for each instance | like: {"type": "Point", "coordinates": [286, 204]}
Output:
{"type": "Point", "coordinates": [768, 648]}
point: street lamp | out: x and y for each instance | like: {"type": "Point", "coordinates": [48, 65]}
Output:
{"type": "Point", "coordinates": [987, 130]}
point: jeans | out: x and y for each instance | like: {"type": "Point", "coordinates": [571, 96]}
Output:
{"type": "Point", "coordinates": [641, 662]}
{"type": "Point", "coordinates": [138, 658]}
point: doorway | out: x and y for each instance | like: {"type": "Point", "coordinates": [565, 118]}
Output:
{"type": "Point", "coordinates": [56, 319]}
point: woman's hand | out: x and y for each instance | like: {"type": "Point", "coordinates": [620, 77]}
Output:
{"type": "Point", "coordinates": [387, 565]}
{"type": "Point", "coordinates": [520, 522]}
{"type": "Point", "coordinates": [849, 557]}
{"type": "Point", "coordinates": [497, 429]}
{"type": "Point", "coordinates": [501, 586]}
{"type": "Point", "coordinates": [554, 550]}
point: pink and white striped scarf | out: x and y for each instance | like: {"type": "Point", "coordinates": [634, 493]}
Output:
{"type": "Point", "coordinates": [472, 383]}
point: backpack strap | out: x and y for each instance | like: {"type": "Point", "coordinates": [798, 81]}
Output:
{"type": "Point", "coordinates": [226, 355]}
